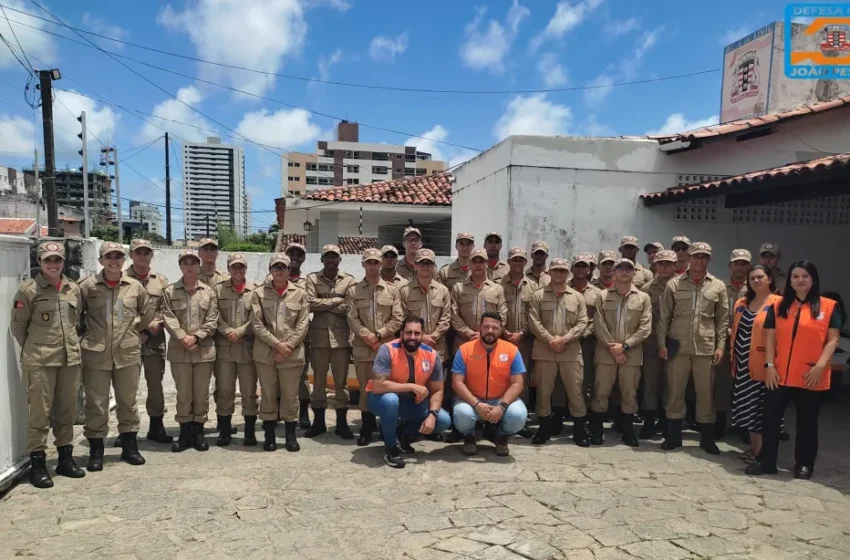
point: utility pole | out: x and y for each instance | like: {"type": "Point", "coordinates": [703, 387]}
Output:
{"type": "Point", "coordinates": [45, 78]}
{"type": "Point", "coordinates": [37, 198]}
{"type": "Point", "coordinates": [118, 198]}
{"type": "Point", "coordinates": [167, 194]}
{"type": "Point", "coordinates": [85, 153]}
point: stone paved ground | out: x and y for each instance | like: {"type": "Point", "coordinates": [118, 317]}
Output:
{"type": "Point", "coordinates": [335, 500]}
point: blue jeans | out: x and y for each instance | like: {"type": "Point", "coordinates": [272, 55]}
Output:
{"type": "Point", "coordinates": [390, 407]}
{"type": "Point", "coordinates": [513, 420]}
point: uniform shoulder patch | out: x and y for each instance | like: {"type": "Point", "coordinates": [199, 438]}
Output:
{"type": "Point", "coordinates": [18, 305]}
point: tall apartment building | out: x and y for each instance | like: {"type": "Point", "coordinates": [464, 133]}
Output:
{"type": "Point", "coordinates": [148, 215]}
{"type": "Point", "coordinates": [347, 161]}
{"type": "Point", "coordinates": [213, 188]}
{"type": "Point", "coordinates": [69, 192]}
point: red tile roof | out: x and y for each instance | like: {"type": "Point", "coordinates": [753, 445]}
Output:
{"type": "Point", "coordinates": [354, 245]}
{"type": "Point", "coordinates": [431, 190]}
{"type": "Point", "coordinates": [805, 170]}
{"type": "Point", "coordinates": [288, 238]}
{"type": "Point", "coordinates": [16, 226]}
{"type": "Point", "coordinates": [742, 125]}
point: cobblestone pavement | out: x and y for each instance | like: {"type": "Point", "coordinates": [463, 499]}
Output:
{"type": "Point", "coordinates": [335, 500]}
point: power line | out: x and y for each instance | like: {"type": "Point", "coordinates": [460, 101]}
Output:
{"type": "Point", "coordinates": [143, 148]}
{"type": "Point", "coordinates": [28, 65]}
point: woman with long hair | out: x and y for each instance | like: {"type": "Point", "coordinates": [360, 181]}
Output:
{"type": "Point", "coordinates": [747, 355]}
{"type": "Point", "coordinates": [802, 334]}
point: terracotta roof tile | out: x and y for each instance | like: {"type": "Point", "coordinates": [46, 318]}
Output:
{"type": "Point", "coordinates": [354, 245]}
{"type": "Point", "coordinates": [288, 238]}
{"type": "Point", "coordinates": [15, 225]}
{"type": "Point", "coordinates": [431, 190]}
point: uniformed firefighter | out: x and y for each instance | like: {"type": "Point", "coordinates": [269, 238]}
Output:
{"type": "Point", "coordinates": [44, 323]}
{"type": "Point", "coordinates": [297, 253]}
{"type": "Point", "coordinates": [208, 253]}
{"type": "Point", "coordinates": [153, 336]}
{"type": "Point", "coordinates": [629, 250]}
{"type": "Point", "coordinates": [114, 310]}
{"type": "Point", "coordinates": [692, 335]}
{"type": "Point", "coordinates": [623, 320]}
{"type": "Point", "coordinates": [537, 272]}
{"type": "Point", "coordinates": [557, 317]}
{"type": "Point", "coordinates": [580, 282]}
{"type": "Point", "coordinates": [769, 255]}
{"type": "Point", "coordinates": [374, 317]}
{"type": "Point", "coordinates": [651, 250]}
{"type": "Point", "coordinates": [234, 360]}
{"type": "Point", "coordinates": [191, 317]}
{"type": "Point", "coordinates": [496, 267]}
{"type": "Point", "coordinates": [412, 240]}
{"type": "Point", "coordinates": [680, 246]}
{"type": "Point", "coordinates": [606, 270]}
{"type": "Point", "coordinates": [389, 264]}
{"type": "Point", "coordinates": [280, 320]}
{"type": "Point", "coordinates": [330, 347]}
{"type": "Point", "coordinates": [456, 271]}
{"type": "Point", "coordinates": [430, 301]}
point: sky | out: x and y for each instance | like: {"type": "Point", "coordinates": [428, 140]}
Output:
{"type": "Point", "coordinates": [501, 46]}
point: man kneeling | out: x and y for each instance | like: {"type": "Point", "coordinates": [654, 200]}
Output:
{"type": "Point", "coordinates": [487, 377]}
{"type": "Point", "coordinates": [407, 386]}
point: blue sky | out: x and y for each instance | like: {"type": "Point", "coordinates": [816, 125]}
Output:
{"type": "Point", "coordinates": [495, 45]}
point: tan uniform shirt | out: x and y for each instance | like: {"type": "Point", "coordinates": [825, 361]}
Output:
{"type": "Point", "coordinates": [329, 327]}
{"type": "Point", "coordinates": [695, 315]}
{"type": "Point", "coordinates": [372, 310]}
{"type": "Point", "coordinates": [655, 290]}
{"type": "Point", "coordinates": [550, 315]}
{"type": "Point", "coordinates": [187, 314]}
{"type": "Point", "coordinates": [279, 318]}
{"type": "Point", "coordinates": [469, 302]}
{"type": "Point", "coordinates": [434, 306]}
{"type": "Point", "coordinates": [496, 273]}
{"type": "Point", "coordinates": [301, 282]}
{"type": "Point", "coordinates": [624, 319]}
{"type": "Point", "coordinates": [517, 298]}
{"type": "Point", "coordinates": [44, 322]}
{"type": "Point", "coordinates": [154, 284]}
{"type": "Point", "coordinates": [642, 276]}
{"type": "Point", "coordinates": [234, 314]}
{"type": "Point", "coordinates": [398, 281]}
{"type": "Point", "coordinates": [451, 274]}
{"type": "Point", "coordinates": [597, 282]}
{"type": "Point", "coordinates": [590, 293]}
{"type": "Point", "coordinates": [112, 319]}
{"type": "Point", "coordinates": [542, 280]}
{"type": "Point", "coordinates": [404, 270]}
{"type": "Point", "coordinates": [212, 279]}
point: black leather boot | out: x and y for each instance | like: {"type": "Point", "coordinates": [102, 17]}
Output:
{"type": "Point", "coordinates": [542, 435]}
{"type": "Point", "coordinates": [629, 437]}
{"type": "Point", "coordinates": [663, 424]}
{"type": "Point", "coordinates": [156, 431]}
{"type": "Point", "coordinates": [250, 437]}
{"type": "Point", "coordinates": [596, 429]}
{"type": "Point", "coordinates": [649, 427]}
{"type": "Point", "coordinates": [224, 437]}
{"type": "Point", "coordinates": [199, 442]}
{"type": "Point", "coordinates": [304, 414]}
{"type": "Point", "coordinates": [690, 422]}
{"type": "Point", "coordinates": [95, 455]}
{"type": "Point", "coordinates": [39, 477]}
{"type": "Point", "coordinates": [130, 451]}
{"type": "Point", "coordinates": [66, 465]}
{"type": "Point", "coordinates": [720, 426]}
{"type": "Point", "coordinates": [184, 439]}
{"type": "Point", "coordinates": [269, 443]}
{"type": "Point", "coordinates": [319, 427]}
{"type": "Point", "coordinates": [557, 423]}
{"type": "Point", "coordinates": [291, 441]}
{"type": "Point", "coordinates": [342, 429]}
{"type": "Point", "coordinates": [673, 437]}
{"type": "Point", "coordinates": [366, 429]}
{"type": "Point", "coordinates": [580, 432]}
{"type": "Point", "coordinates": [706, 439]}
{"type": "Point", "coordinates": [117, 442]}
{"type": "Point", "coordinates": [617, 420]}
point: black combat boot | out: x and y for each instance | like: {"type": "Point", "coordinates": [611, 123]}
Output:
{"type": "Point", "coordinates": [269, 443]}
{"type": "Point", "coordinates": [199, 442]}
{"type": "Point", "coordinates": [224, 437]}
{"type": "Point", "coordinates": [720, 426]}
{"type": "Point", "coordinates": [291, 441]}
{"type": "Point", "coordinates": [649, 427]}
{"type": "Point", "coordinates": [690, 422]}
{"type": "Point", "coordinates": [663, 424]}
{"type": "Point", "coordinates": [596, 429]}
{"type": "Point", "coordinates": [556, 427]}
{"type": "Point", "coordinates": [542, 435]}
{"type": "Point", "coordinates": [342, 429]}
{"type": "Point", "coordinates": [706, 439]}
{"type": "Point", "coordinates": [39, 477]}
{"type": "Point", "coordinates": [368, 426]}
{"type": "Point", "coordinates": [629, 430]}
{"type": "Point", "coordinates": [580, 432]}
{"type": "Point", "coordinates": [250, 438]}
{"type": "Point", "coordinates": [156, 431]}
{"type": "Point", "coordinates": [66, 465]}
{"type": "Point", "coordinates": [95, 455]}
{"type": "Point", "coordinates": [319, 427]}
{"type": "Point", "coordinates": [184, 439]}
{"type": "Point", "coordinates": [304, 414]}
{"type": "Point", "coordinates": [673, 437]}
{"type": "Point", "coordinates": [130, 451]}
{"type": "Point", "coordinates": [117, 442]}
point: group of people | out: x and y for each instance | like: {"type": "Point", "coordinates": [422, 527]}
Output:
{"type": "Point", "coordinates": [469, 348]}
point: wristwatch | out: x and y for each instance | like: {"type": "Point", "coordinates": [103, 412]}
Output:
{"type": "Point", "coordinates": [769, 364]}
{"type": "Point", "coordinates": [435, 413]}
{"type": "Point", "coordinates": [626, 346]}
{"type": "Point", "coordinates": [503, 404]}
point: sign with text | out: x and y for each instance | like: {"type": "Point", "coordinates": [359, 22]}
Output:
{"type": "Point", "coordinates": [822, 52]}
{"type": "Point", "coordinates": [746, 75]}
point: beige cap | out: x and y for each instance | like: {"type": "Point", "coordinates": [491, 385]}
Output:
{"type": "Point", "coordinates": [624, 262]}
{"type": "Point", "coordinates": [237, 258]}
{"type": "Point", "coordinates": [681, 239]}
{"type": "Point", "coordinates": [465, 235]}
{"type": "Point", "coordinates": [425, 255]}
{"type": "Point", "coordinates": [298, 246]}
{"type": "Point", "coordinates": [279, 258]}
{"type": "Point", "coordinates": [700, 248]}
{"type": "Point", "coordinates": [207, 241]}
{"type": "Point", "coordinates": [111, 247]}
{"type": "Point", "coordinates": [140, 244]}
{"type": "Point", "coordinates": [478, 253]}
{"type": "Point", "coordinates": [517, 252]}
{"type": "Point", "coordinates": [330, 249]}
{"type": "Point", "coordinates": [770, 249]}
{"type": "Point", "coordinates": [559, 264]}
{"type": "Point", "coordinates": [656, 244]}
{"type": "Point", "coordinates": [540, 245]}
{"type": "Point", "coordinates": [389, 249]}
{"type": "Point", "coordinates": [591, 258]}
{"type": "Point", "coordinates": [629, 240]}
{"type": "Point", "coordinates": [666, 256]}
{"type": "Point", "coordinates": [410, 230]}
{"type": "Point", "coordinates": [371, 254]}
{"type": "Point", "coordinates": [191, 253]}
{"type": "Point", "coordinates": [740, 255]}
{"type": "Point", "coordinates": [51, 249]}
{"type": "Point", "coordinates": [607, 256]}
{"type": "Point", "coordinates": [493, 234]}
{"type": "Point", "coordinates": [582, 258]}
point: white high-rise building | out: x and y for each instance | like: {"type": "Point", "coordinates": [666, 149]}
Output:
{"type": "Point", "coordinates": [213, 188]}
{"type": "Point", "coordinates": [146, 214]}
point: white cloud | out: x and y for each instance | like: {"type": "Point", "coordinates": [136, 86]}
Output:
{"type": "Point", "coordinates": [103, 27]}
{"type": "Point", "coordinates": [601, 85]}
{"type": "Point", "coordinates": [257, 34]}
{"type": "Point", "coordinates": [325, 64]}
{"type": "Point", "coordinates": [551, 71]}
{"type": "Point", "coordinates": [622, 27]}
{"type": "Point", "coordinates": [341, 5]}
{"type": "Point", "coordinates": [38, 44]}
{"type": "Point", "coordinates": [568, 15]}
{"type": "Point", "coordinates": [17, 136]}
{"type": "Point", "coordinates": [430, 142]}
{"type": "Point", "coordinates": [487, 48]}
{"type": "Point", "coordinates": [284, 129]}
{"type": "Point", "coordinates": [387, 48]}
{"type": "Point", "coordinates": [172, 110]}
{"type": "Point", "coordinates": [100, 122]}
{"type": "Point", "coordinates": [676, 123]}
{"type": "Point", "coordinates": [736, 33]}
{"type": "Point", "coordinates": [592, 127]}
{"type": "Point", "coordinates": [533, 115]}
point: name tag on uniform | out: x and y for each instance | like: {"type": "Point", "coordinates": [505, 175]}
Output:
{"type": "Point", "coordinates": [503, 358]}
{"type": "Point", "coordinates": [426, 365]}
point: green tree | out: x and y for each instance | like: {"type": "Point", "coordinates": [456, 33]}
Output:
{"type": "Point", "coordinates": [150, 236]}
{"type": "Point", "coordinates": [105, 232]}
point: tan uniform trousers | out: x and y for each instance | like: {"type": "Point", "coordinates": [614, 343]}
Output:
{"type": "Point", "coordinates": [364, 376]}
{"type": "Point", "coordinates": [226, 374]}
{"type": "Point", "coordinates": [559, 395]}
{"type": "Point", "coordinates": [96, 383]}
{"type": "Point", "coordinates": [525, 346]}
{"type": "Point", "coordinates": [154, 366]}
{"type": "Point", "coordinates": [304, 384]}
{"type": "Point", "coordinates": [279, 381]}
{"type": "Point", "coordinates": [572, 374]}
{"type": "Point", "coordinates": [337, 360]}
{"type": "Point", "coordinates": [679, 371]}
{"type": "Point", "coordinates": [627, 379]}
{"type": "Point", "coordinates": [55, 387]}
{"type": "Point", "coordinates": [654, 379]}
{"type": "Point", "coordinates": [193, 390]}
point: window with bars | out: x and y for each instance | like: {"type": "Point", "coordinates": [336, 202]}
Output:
{"type": "Point", "coordinates": [699, 210]}
{"type": "Point", "coordinates": [829, 211]}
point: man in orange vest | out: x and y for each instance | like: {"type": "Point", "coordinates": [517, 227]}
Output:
{"type": "Point", "coordinates": [488, 378]}
{"type": "Point", "coordinates": [407, 386]}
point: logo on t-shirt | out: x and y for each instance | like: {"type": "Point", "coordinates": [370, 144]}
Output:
{"type": "Point", "coordinates": [503, 358]}
{"type": "Point", "coordinates": [820, 316]}
{"type": "Point", "coordinates": [426, 365]}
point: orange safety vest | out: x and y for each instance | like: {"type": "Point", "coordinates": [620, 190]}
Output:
{"type": "Point", "coordinates": [423, 364]}
{"type": "Point", "coordinates": [796, 354]}
{"type": "Point", "coordinates": [757, 338]}
{"type": "Point", "coordinates": [488, 374]}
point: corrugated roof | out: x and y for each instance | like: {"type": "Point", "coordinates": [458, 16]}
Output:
{"type": "Point", "coordinates": [431, 190]}
{"type": "Point", "coordinates": [15, 225]}
{"type": "Point", "coordinates": [801, 169]}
